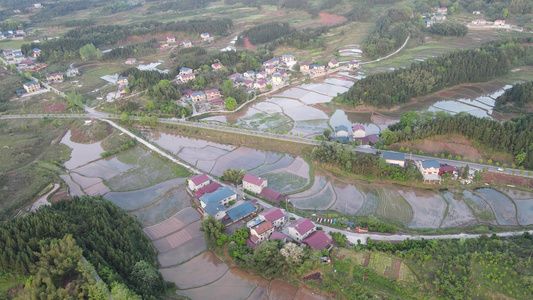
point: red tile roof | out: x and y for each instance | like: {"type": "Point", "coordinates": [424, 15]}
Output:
{"type": "Point", "coordinates": [278, 236]}
{"type": "Point", "coordinates": [253, 179]}
{"type": "Point", "coordinates": [302, 225]}
{"type": "Point", "coordinates": [263, 227]}
{"type": "Point", "coordinates": [317, 240]}
{"type": "Point", "coordinates": [272, 214]}
{"type": "Point", "coordinates": [271, 195]}
{"type": "Point", "coordinates": [358, 127]}
{"type": "Point", "coordinates": [250, 243]}
{"type": "Point", "coordinates": [198, 179]}
{"type": "Point", "coordinates": [213, 186]}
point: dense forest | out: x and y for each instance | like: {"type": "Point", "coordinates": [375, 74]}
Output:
{"type": "Point", "coordinates": [514, 137]}
{"type": "Point", "coordinates": [345, 158]}
{"type": "Point", "coordinates": [449, 28]}
{"type": "Point", "coordinates": [179, 5]}
{"type": "Point", "coordinates": [390, 32]}
{"type": "Point", "coordinates": [264, 33]}
{"type": "Point", "coordinates": [110, 239]}
{"type": "Point", "coordinates": [301, 39]}
{"type": "Point", "coordinates": [480, 64]}
{"type": "Point", "coordinates": [515, 98]}
{"type": "Point", "coordinates": [107, 35]}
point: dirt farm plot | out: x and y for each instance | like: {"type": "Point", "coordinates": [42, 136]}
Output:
{"type": "Point", "coordinates": [183, 253]}
{"type": "Point", "coordinates": [235, 284]}
{"type": "Point", "coordinates": [280, 290]}
{"type": "Point", "coordinates": [349, 199]}
{"type": "Point", "coordinates": [428, 207]}
{"type": "Point", "coordinates": [307, 294]}
{"type": "Point", "coordinates": [178, 238]}
{"type": "Point", "coordinates": [459, 214]}
{"type": "Point", "coordinates": [172, 224]}
{"type": "Point", "coordinates": [479, 207]}
{"type": "Point", "coordinates": [502, 206]}
{"type": "Point", "coordinates": [199, 271]}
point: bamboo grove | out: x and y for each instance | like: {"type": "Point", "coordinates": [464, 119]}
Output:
{"type": "Point", "coordinates": [479, 64]}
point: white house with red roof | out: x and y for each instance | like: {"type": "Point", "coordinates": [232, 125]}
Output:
{"type": "Point", "coordinates": [318, 240]}
{"type": "Point", "coordinates": [171, 39]}
{"type": "Point", "coordinates": [261, 232]}
{"type": "Point", "coordinates": [253, 183]}
{"type": "Point", "coordinates": [198, 182]}
{"type": "Point", "coordinates": [208, 189]}
{"type": "Point", "coordinates": [274, 215]}
{"type": "Point", "coordinates": [217, 66]}
{"type": "Point", "coordinates": [300, 229]}
{"type": "Point", "coordinates": [358, 131]}
{"type": "Point", "coordinates": [212, 94]}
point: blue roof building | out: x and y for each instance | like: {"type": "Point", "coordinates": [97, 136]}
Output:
{"type": "Point", "coordinates": [393, 155]}
{"type": "Point", "coordinates": [184, 69]}
{"type": "Point", "coordinates": [430, 164]}
{"type": "Point", "coordinates": [241, 211]}
{"type": "Point", "coordinates": [341, 127]}
{"type": "Point", "coordinates": [221, 196]}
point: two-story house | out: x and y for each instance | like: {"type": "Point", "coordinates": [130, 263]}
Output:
{"type": "Point", "coordinates": [358, 131]}
{"type": "Point", "coordinates": [253, 183]}
{"type": "Point", "coordinates": [212, 94]}
{"type": "Point", "coordinates": [187, 44]}
{"type": "Point", "coordinates": [198, 96]}
{"type": "Point", "coordinates": [300, 229]}
{"type": "Point", "coordinates": [187, 77]}
{"type": "Point", "coordinates": [31, 86]}
{"type": "Point", "coordinates": [222, 196]}
{"type": "Point", "coordinates": [274, 215]}
{"type": "Point", "coordinates": [122, 80]}
{"type": "Point", "coordinates": [430, 167]}
{"type": "Point", "coordinates": [217, 66]}
{"type": "Point", "coordinates": [54, 77]}
{"type": "Point", "coordinates": [393, 158]}
{"type": "Point", "coordinates": [198, 181]}
{"type": "Point", "coordinates": [71, 72]}
{"type": "Point", "coordinates": [171, 39]}
{"type": "Point", "coordinates": [261, 232]}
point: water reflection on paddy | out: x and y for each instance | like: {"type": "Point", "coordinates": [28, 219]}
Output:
{"type": "Point", "coordinates": [341, 117]}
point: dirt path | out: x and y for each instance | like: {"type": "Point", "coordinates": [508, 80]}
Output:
{"type": "Point", "coordinates": [397, 267]}
{"type": "Point", "coordinates": [43, 200]}
{"type": "Point", "coordinates": [226, 253]}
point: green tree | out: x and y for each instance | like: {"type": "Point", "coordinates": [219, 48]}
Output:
{"type": "Point", "coordinates": [231, 103]}
{"type": "Point", "coordinates": [89, 52]}
{"type": "Point", "coordinates": [327, 133]}
{"type": "Point", "coordinates": [147, 279]}
{"type": "Point", "coordinates": [233, 175]}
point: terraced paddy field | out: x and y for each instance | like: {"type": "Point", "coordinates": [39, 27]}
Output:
{"type": "Point", "coordinates": [503, 207]}
{"type": "Point", "coordinates": [322, 200]}
{"type": "Point", "coordinates": [349, 199]}
{"type": "Point", "coordinates": [372, 200]}
{"type": "Point", "coordinates": [428, 207]}
{"type": "Point", "coordinates": [459, 214]}
{"type": "Point", "coordinates": [393, 206]}
{"type": "Point", "coordinates": [481, 209]}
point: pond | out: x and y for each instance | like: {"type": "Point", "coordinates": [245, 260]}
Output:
{"type": "Point", "coordinates": [81, 153]}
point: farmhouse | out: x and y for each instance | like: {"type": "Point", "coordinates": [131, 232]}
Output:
{"type": "Point", "coordinates": [271, 195]}
{"type": "Point", "coordinates": [249, 74]}
{"type": "Point", "coordinates": [71, 72]}
{"type": "Point", "coordinates": [288, 58]}
{"type": "Point", "coordinates": [198, 97]}
{"type": "Point", "coordinates": [198, 181]}
{"type": "Point", "coordinates": [441, 10]}
{"type": "Point", "coordinates": [235, 76]}
{"type": "Point", "coordinates": [261, 232]}
{"type": "Point", "coordinates": [318, 240]}
{"type": "Point", "coordinates": [277, 78]}
{"type": "Point", "coordinates": [212, 94]}
{"type": "Point", "coordinates": [253, 184]}
{"type": "Point", "coordinates": [333, 64]}
{"type": "Point", "coordinates": [36, 52]}
{"type": "Point", "coordinates": [304, 66]}
{"type": "Point", "coordinates": [122, 80]}
{"type": "Point", "coordinates": [171, 39]}
{"type": "Point", "coordinates": [185, 70]}
{"type": "Point", "coordinates": [187, 44]}
{"type": "Point", "coordinates": [479, 22]}
{"type": "Point", "coordinates": [31, 86]}
{"type": "Point", "coordinates": [394, 158]}
{"type": "Point", "coordinates": [439, 17]}
{"type": "Point", "coordinates": [300, 229]}
{"type": "Point", "coordinates": [206, 37]}
{"type": "Point", "coordinates": [208, 189]}
{"type": "Point", "coordinates": [274, 215]}
{"type": "Point", "coordinates": [448, 169]}
{"type": "Point", "coordinates": [240, 212]}
{"type": "Point", "coordinates": [358, 131]}
{"type": "Point", "coordinates": [261, 75]}
{"type": "Point", "coordinates": [341, 131]}
{"type": "Point", "coordinates": [222, 196]}
{"type": "Point", "coordinates": [318, 69]}
{"type": "Point", "coordinates": [218, 102]}
{"type": "Point", "coordinates": [249, 84]}
{"type": "Point", "coordinates": [499, 22]}
{"type": "Point", "coordinates": [54, 77]}
{"type": "Point", "coordinates": [271, 62]}
{"type": "Point", "coordinates": [367, 140]}
{"type": "Point", "coordinates": [270, 70]}
{"type": "Point", "coordinates": [430, 167]}
{"type": "Point", "coordinates": [217, 66]}
{"type": "Point", "coordinates": [187, 77]}
{"type": "Point", "coordinates": [353, 64]}
{"type": "Point", "coordinates": [131, 61]}
{"type": "Point", "coordinates": [428, 22]}
{"type": "Point", "coordinates": [122, 90]}
{"type": "Point", "coordinates": [261, 84]}
{"type": "Point", "coordinates": [278, 236]}
{"type": "Point", "coordinates": [26, 63]}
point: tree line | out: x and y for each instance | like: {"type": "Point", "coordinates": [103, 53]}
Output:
{"type": "Point", "coordinates": [264, 33]}
{"type": "Point", "coordinates": [480, 64]}
{"type": "Point", "coordinates": [515, 98]}
{"type": "Point", "coordinates": [449, 28]}
{"type": "Point", "coordinates": [345, 158]}
{"type": "Point", "coordinates": [514, 137]}
{"type": "Point", "coordinates": [110, 239]}
{"type": "Point", "coordinates": [179, 5]}
{"type": "Point", "coordinates": [389, 34]}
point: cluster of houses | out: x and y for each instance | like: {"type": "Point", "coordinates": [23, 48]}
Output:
{"type": "Point", "coordinates": [438, 14]}
{"type": "Point", "coordinates": [222, 202]}
{"type": "Point", "coordinates": [16, 35]}
{"type": "Point", "coordinates": [431, 170]}
{"type": "Point", "coordinates": [357, 134]}
{"type": "Point", "coordinates": [171, 39]}
{"type": "Point", "coordinates": [26, 63]}
{"type": "Point", "coordinates": [485, 22]}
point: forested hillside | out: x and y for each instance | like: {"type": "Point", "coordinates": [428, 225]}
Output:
{"type": "Point", "coordinates": [515, 98]}
{"type": "Point", "coordinates": [480, 64]}
{"type": "Point", "coordinates": [390, 32]}
{"type": "Point", "coordinates": [264, 33]}
{"type": "Point", "coordinates": [449, 28]}
{"type": "Point", "coordinates": [514, 137]}
{"type": "Point", "coordinates": [110, 239]}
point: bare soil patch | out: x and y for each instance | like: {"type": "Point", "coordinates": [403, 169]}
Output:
{"type": "Point", "coordinates": [60, 195]}
{"type": "Point", "coordinates": [328, 19]}
{"type": "Point", "coordinates": [54, 107]}
{"type": "Point", "coordinates": [249, 45]}
{"type": "Point", "coordinates": [507, 179]}
{"type": "Point", "coordinates": [454, 143]}
{"type": "Point", "coordinates": [315, 276]}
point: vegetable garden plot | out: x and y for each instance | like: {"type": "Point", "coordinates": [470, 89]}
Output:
{"type": "Point", "coordinates": [393, 206]}
{"type": "Point", "coordinates": [428, 207]}
{"type": "Point", "coordinates": [479, 206]}
{"type": "Point", "coordinates": [459, 214]}
{"type": "Point", "coordinates": [502, 206]}
{"type": "Point", "coordinates": [307, 294]}
{"type": "Point", "coordinates": [141, 198]}
{"type": "Point", "coordinates": [349, 199]}
{"type": "Point", "coordinates": [199, 271]}
{"type": "Point", "coordinates": [235, 284]}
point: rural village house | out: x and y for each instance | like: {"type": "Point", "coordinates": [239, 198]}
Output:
{"type": "Point", "coordinates": [261, 232]}
{"type": "Point", "coordinates": [430, 167]}
{"type": "Point", "coordinates": [274, 215]}
{"type": "Point", "coordinates": [358, 131]}
{"type": "Point", "coordinates": [198, 96]}
{"type": "Point", "coordinates": [217, 66]}
{"type": "Point", "coordinates": [171, 39]}
{"type": "Point", "coordinates": [394, 158]}
{"type": "Point", "coordinates": [254, 184]}
{"type": "Point", "coordinates": [212, 94]}
{"type": "Point", "coordinates": [54, 77]}
{"type": "Point", "coordinates": [241, 211]}
{"type": "Point", "coordinates": [318, 240]}
{"type": "Point", "coordinates": [208, 189]}
{"type": "Point", "coordinates": [198, 181]}
{"type": "Point", "coordinates": [71, 72]}
{"type": "Point", "coordinates": [187, 44]}
{"type": "Point", "coordinates": [300, 229]}
{"type": "Point", "coordinates": [31, 86]}
{"type": "Point", "coordinates": [122, 80]}
{"type": "Point", "coordinates": [131, 61]}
